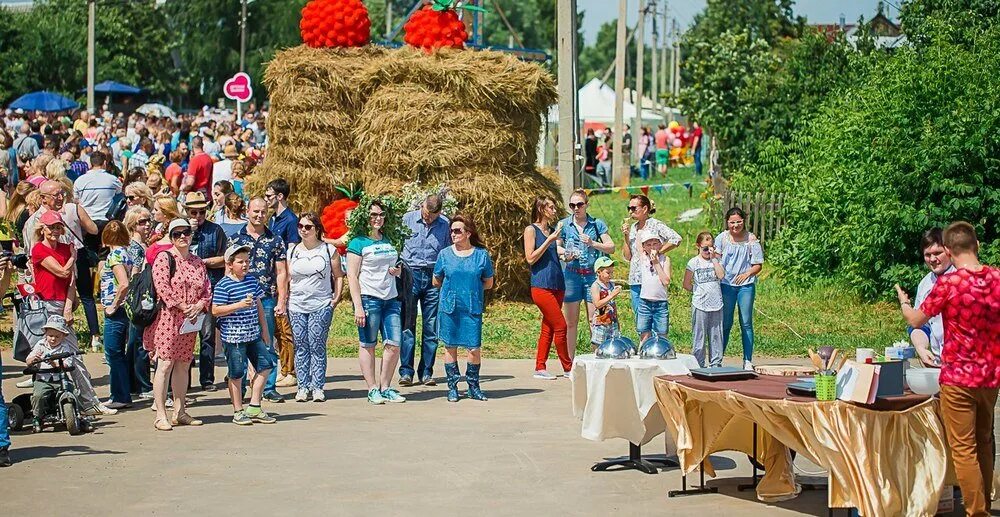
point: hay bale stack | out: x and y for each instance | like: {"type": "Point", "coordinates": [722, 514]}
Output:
{"type": "Point", "coordinates": [312, 188]}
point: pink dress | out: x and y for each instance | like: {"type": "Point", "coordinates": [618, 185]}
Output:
{"type": "Point", "coordinates": [189, 285]}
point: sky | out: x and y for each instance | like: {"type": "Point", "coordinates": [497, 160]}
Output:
{"type": "Point", "coordinates": [816, 11]}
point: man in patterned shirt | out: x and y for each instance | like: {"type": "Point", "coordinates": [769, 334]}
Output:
{"type": "Point", "coordinates": [969, 302]}
{"type": "Point", "coordinates": [267, 264]}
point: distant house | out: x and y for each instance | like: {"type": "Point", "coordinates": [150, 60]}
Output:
{"type": "Point", "coordinates": [887, 33]}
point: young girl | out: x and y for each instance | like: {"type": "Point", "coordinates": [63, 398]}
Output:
{"type": "Point", "coordinates": [603, 291]}
{"type": "Point", "coordinates": [702, 278]}
{"type": "Point", "coordinates": [654, 314]}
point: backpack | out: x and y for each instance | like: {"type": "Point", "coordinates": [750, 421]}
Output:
{"type": "Point", "coordinates": [141, 302]}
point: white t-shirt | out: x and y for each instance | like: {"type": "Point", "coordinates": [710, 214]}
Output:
{"type": "Point", "coordinates": [936, 323]}
{"type": "Point", "coordinates": [706, 295]}
{"type": "Point", "coordinates": [652, 289]}
{"type": "Point", "coordinates": [665, 233]}
{"type": "Point", "coordinates": [310, 288]}
{"type": "Point", "coordinates": [222, 170]}
{"type": "Point", "coordinates": [95, 191]}
{"type": "Point", "coordinates": [376, 259]}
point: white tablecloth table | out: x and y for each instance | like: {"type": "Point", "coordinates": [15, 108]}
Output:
{"type": "Point", "coordinates": [615, 399]}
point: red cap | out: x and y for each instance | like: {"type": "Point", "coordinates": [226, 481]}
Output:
{"type": "Point", "coordinates": [51, 217]}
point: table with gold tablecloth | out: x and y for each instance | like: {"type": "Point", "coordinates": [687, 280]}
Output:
{"type": "Point", "coordinates": [888, 459]}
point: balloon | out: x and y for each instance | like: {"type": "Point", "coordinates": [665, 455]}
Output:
{"type": "Point", "coordinates": [673, 124]}
{"type": "Point", "coordinates": [677, 142]}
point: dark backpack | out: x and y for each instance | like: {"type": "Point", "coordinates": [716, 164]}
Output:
{"type": "Point", "coordinates": [141, 302]}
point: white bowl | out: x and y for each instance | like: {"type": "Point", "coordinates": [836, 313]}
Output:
{"type": "Point", "coordinates": [923, 381]}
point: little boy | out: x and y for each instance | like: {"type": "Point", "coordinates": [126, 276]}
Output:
{"type": "Point", "coordinates": [603, 291]}
{"type": "Point", "coordinates": [240, 316]}
{"type": "Point", "coordinates": [969, 300]}
{"type": "Point", "coordinates": [653, 316]}
{"type": "Point", "coordinates": [702, 278]}
{"type": "Point", "coordinates": [47, 382]}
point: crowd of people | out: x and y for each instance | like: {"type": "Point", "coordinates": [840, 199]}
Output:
{"type": "Point", "coordinates": [659, 149]}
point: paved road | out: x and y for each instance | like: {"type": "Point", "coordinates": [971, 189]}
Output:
{"type": "Point", "coordinates": [518, 454]}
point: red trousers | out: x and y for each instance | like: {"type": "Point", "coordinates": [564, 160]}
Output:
{"type": "Point", "coordinates": [550, 303]}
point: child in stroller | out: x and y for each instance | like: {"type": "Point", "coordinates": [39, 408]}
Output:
{"type": "Point", "coordinates": [53, 357]}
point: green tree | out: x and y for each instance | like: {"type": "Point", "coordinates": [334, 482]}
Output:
{"type": "Point", "coordinates": [13, 80]}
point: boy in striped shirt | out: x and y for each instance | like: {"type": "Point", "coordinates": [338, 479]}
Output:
{"type": "Point", "coordinates": [240, 316]}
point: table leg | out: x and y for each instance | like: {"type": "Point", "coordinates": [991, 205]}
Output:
{"type": "Point", "coordinates": [635, 461]}
{"type": "Point", "coordinates": [756, 478]}
{"type": "Point", "coordinates": [702, 489]}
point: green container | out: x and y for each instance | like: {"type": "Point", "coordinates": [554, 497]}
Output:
{"type": "Point", "coordinates": [826, 387]}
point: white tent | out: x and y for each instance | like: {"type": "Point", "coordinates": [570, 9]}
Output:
{"type": "Point", "coordinates": [597, 105]}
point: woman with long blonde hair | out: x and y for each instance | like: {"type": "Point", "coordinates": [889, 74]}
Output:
{"type": "Point", "coordinates": [164, 210]}
{"type": "Point", "coordinates": [139, 194]}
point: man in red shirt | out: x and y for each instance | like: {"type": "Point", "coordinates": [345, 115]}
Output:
{"type": "Point", "coordinates": [969, 301]}
{"type": "Point", "coordinates": [199, 174]}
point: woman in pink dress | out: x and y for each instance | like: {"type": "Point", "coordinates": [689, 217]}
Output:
{"type": "Point", "coordinates": [185, 295]}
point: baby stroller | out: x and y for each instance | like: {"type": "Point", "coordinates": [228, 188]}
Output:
{"type": "Point", "coordinates": [67, 402]}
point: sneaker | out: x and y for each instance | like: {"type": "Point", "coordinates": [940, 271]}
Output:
{"type": "Point", "coordinates": [105, 410]}
{"type": "Point", "coordinates": [26, 383]}
{"type": "Point", "coordinates": [406, 380]}
{"type": "Point", "coordinates": [748, 366]}
{"type": "Point", "coordinates": [259, 416]}
{"type": "Point", "coordinates": [428, 381]}
{"type": "Point", "coordinates": [544, 375]}
{"type": "Point", "coordinates": [117, 405]}
{"type": "Point", "coordinates": [391, 395]}
{"type": "Point", "coordinates": [146, 395]}
{"type": "Point", "coordinates": [170, 403]}
{"type": "Point", "coordinates": [302, 395]}
{"type": "Point", "coordinates": [241, 418]}
{"type": "Point", "coordinates": [5, 457]}
{"type": "Point", "coordinates": [96, 344]}
{"type": "Point", "coordinates": [318, 396]}
{"type": "Point", "coordinates": [274, 396]}
{"type": "Point", "coordinates": [375, 397]}
{"type": "Point", "coordinates": [210, 387]}
{"type": "Point", "coordinates": [287, 381]}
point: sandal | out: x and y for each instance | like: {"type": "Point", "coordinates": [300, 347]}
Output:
{"type": "Point", "coordinates": [161, 424]}
{"type": "Point", "coordinates": [185, 419]}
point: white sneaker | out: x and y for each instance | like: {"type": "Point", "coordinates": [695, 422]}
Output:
{"type": "Point", "coordinates": [146, 395]}
{"type": "Point", "coordinates": [96, 344]}
{"type": "Point", "coordinates": [318, 396]}
{"type": "Point", "coordinates": [748, 366]}
{"type": "Point", "coordinates": [26, 383]}
{"type": "Point", "coordinates": [544, 375]}
{"type": "Point", "coordinates": [100, 410]}
{"type": "Point", "coordinates": [302, 395]}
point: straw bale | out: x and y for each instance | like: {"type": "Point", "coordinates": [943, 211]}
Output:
{"type": "Point", "coordinates": [311, 188]}
{"type": "Point", "coordinates": [300, 77]}
{"type": "Point", "coordinates": [312, 149]}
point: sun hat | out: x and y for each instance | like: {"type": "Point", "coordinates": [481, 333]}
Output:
{"type": "Point", "coordinates": [56, 322]}
{"type": "Point", "coordinates": [230, 151]}
{"type": "Point", "coordinates": [234, 249]}
{"type": "Point", "coordinates": [648, 235]}
{"type": "Point", "coordinates": [195, 199]}
{"type": "Point", "coordinates": [177, 223]}
{"type": "Point", "coordinates": [603, 262]}
{"type": "Point", "coordinates": [51, 217]}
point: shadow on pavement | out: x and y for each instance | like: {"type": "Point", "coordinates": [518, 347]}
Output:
{"type": "Point", "coordinates": [490, 394]}
{"type": "Point", "coordinates": [280, 416]}
{"type": "Point", "coordinates": [22, 454]}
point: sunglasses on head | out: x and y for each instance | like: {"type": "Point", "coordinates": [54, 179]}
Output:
{"type": "Point", "coordinates": [305, 226]}
{"type": "Point", "coordinates": [457, 231]}
{"type": "Point", "coordinates": [180, 233]}
{"type": "Point", "coordinates": [574, 206]}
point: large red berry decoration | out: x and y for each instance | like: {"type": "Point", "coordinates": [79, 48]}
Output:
{"type": "Point", "coordinates": [436, 25]}
{"type": "Point", "coordinates": [335, 23]}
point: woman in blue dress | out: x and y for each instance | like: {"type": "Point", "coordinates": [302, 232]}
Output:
{"type": "Point", "coordinates": [463, 272]}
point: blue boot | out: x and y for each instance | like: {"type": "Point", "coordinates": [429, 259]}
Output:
{"type": "Point", "coordinates": [452, 373]}
{"type": "Point", "coordinates": [472, 377]}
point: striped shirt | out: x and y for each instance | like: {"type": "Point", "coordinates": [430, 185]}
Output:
{"type": "Point", "coordinates": [242, 326]}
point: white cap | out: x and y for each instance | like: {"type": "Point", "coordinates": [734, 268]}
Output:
{"type": "Point", "coordinates": [648, 235]}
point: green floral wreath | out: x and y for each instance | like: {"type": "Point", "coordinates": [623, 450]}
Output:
{"type": "Point", "coordinates": [394, 230]}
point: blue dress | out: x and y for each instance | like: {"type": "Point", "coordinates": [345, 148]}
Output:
{"type": "Point", "coordinates": [460, 309]}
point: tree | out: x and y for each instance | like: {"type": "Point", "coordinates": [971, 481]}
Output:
{"type": "Point", "coordinates": [13, 80]}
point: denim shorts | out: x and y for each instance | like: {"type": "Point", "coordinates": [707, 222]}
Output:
{"type": "Point", "coordinates": [578, 286]}
{"type": "Point", "coordinates": [380, 315]}
{"type": "Point", "coordinates": [260, 355]}
{"type": "Point", "coordinates": [654, 316]}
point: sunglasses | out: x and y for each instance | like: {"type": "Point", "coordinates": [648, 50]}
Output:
{"type": "Point", "coordinates": [376, 214]}
{"type": "Point", "coordinates": [196, 213]}
{"type": "Point", "coordinates": [735, 223]}
{"type": "Point", "coordinates": [574, 206]}
{"type": "Point", "coordinates": [306, 227]}
{"type": "Point", "coordinates": [706, 248]}
{"type": "Point", "coordinates": [632, 208]}
{"type": "Point", "coordinates": [142, 222]}
{"type": "Point", "coordinates": [133, 198]}
{"type": "Point", "coordinates": [56, 228]}
{"type": "Point", "coordinates": [57, 196]}
{"type": "Point", "coordinates": [180, 233]}
{"type": "Point", "coordinates": [457, 231]}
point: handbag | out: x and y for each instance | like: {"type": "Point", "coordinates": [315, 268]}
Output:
{"type": "Point", "coordinates": [30, 316]}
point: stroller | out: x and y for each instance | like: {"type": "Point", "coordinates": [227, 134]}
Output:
{"type": "Point", "coordinates": [67, 407]}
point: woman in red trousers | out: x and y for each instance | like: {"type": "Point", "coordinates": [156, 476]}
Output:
{"type": "Point", "coordinates": [548, 287]}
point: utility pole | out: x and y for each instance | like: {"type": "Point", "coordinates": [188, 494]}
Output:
{"type": "Point", "coordinates": [91, 20]}
{"type": "Point", "coordinates": [655, 82]}
{"type": "Point", "coordinates": [663, 50]}
{"type": "Point", "coordinates": [619, 174]}
{"type": "Point", "coordinates": [568, 134]}
{"type": "Point", "coordinates": [677, 60]}
{"type": "Point", "coordinates": [243, 35]}
{"type": "Point", "coordinates": [388, 18]}
{"type": "Point", "coordinates": [673, 62]}
{"type": "Point", "coordinates": [640, 70]}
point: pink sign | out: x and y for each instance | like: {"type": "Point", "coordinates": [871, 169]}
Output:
{"type": "Point", "coordinates": [238, 88]}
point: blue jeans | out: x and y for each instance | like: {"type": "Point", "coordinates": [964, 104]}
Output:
{"type": "Point", "coordinates": [739, 297]}
{"type": "Point", "coordinates": [85, 288]}
{"type": "Point", "coordinates": [4, 419]}
{"type": "Point", "coordinates": [261, 356]}
{"type": "Point", "coordinates": [272, 379]}
{"type": "Point", "coordinates": [311, 329]}
{"type": "Point", "coordinates": [139, 358]}
{"type": "Point", "coordinates": [654, 316]}
{"type": "Point", "coordinates": [697, 161]}
{"type": "Point", "coordinates": [633, 292]}
{"type": "Point", "coordinates": [426, 295]}
{"type": "Point", "coordinates": [115, 344]}
{"type": "Point", "coordinates": [380, 316]}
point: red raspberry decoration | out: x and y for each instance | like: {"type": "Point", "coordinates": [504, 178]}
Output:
{"type": "Point", "coordinates": [435, 26]}
{"type": "Point", "coordinates": [335, 23]}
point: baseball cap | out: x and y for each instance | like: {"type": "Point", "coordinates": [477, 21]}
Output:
{"type": "Point", "coordinates": [177, 223]}
{"type": "Point", "coordinates": [195, 199]}
{"type": "Point", "coordinates": [56, 322]}
{"type": "Point", "coordinates": [648, 235]}
{"type": "Point", "coordinates": [603, 262]}
{"type": "Point", "coordinates": [234, 249]}
{"type": "Point", "coordinates": [51, 217]}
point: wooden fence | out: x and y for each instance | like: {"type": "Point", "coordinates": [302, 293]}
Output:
{"type": "Point", "coordinates": [765, 217]}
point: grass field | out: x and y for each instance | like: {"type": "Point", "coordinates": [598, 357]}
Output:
{"type": "Point", "coordinates": [787, 320]}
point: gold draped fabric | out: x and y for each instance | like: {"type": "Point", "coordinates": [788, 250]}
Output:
{"type": "Point", "coordinates": [883, 462]}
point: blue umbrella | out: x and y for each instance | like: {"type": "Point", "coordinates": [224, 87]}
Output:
{"type": "Point", "coordinates": [112, 87]}
{"type": "Point", "coordinates": [43, 101]}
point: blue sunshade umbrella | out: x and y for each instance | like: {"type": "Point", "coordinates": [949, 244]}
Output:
{"type": "Point", "coordinates": [112, 87]}
{"type": "Point", "coordinates": [43, 101]}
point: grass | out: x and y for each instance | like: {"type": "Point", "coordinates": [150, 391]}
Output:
{"type": "Point", "coordinates": [787, 319]}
